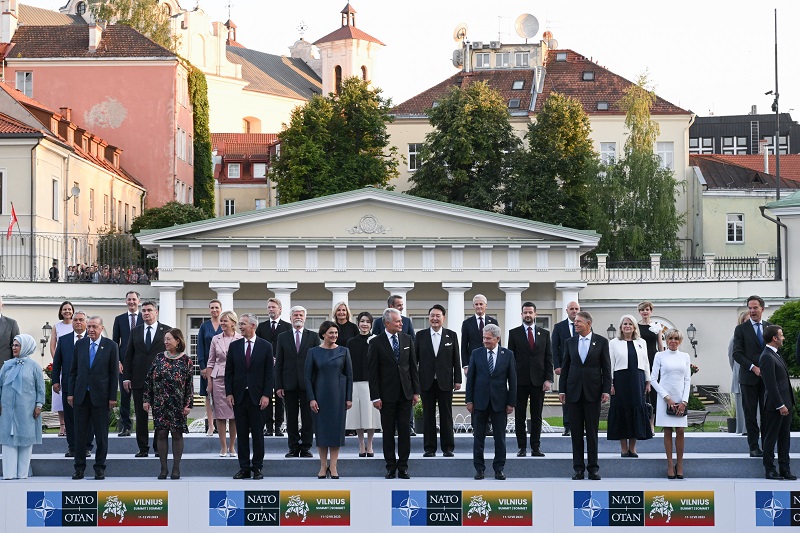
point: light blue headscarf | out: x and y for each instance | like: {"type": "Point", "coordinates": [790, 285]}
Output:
{"type": "Point", "coordinates": [27, 347]}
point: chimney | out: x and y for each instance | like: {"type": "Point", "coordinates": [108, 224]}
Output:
{"type": "Point", "coordinates": [95, 36]}
{"type": "Point", "coordinates": [66, 112]}
{"type": "Point", "coordinates": [753, 110]}
{"type": "Point", "coordinates": [8, 20]}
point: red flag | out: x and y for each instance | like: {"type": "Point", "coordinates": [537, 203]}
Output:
{"type": "Point", "coordinates": [11, 222]}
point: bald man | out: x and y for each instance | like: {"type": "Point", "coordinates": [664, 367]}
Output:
{"type": "Point", "coordinates": [561, 332]}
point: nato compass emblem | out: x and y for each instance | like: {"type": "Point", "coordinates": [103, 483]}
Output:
{"type": "Point", "coordinates": [226, 508]}
{"type": "Point", "coordinates": [408, 508]}
{"type": "Point", "coordinates": [591, 508]}
{"type": "Point", "coordinates": [44, 509]}
{"type": "Point", "coordinates": [775, 507]}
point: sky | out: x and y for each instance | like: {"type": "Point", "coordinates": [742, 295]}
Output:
{"type": "Point", "coordinates": [707, 56]}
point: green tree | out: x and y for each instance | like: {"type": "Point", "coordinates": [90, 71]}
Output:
{"type": "Point", "coordinates": [117, 249]}
{"type": "Point", "coordinates": [551, 177]}
{"type": "Point", "coordinates": [633, 199]}
{"type": "Point", "coordinates": [787, 317]}
{"type": "Point", "coordinates": [336, 143]}
{"type": "Point", "coordinates": [145, 16]}
{"type": "Point", "coordinates": [170, 214]}
{"type": "Point", "coordinates": [466, 158]}
{"type": "Point", "coordinates": [203, 164]}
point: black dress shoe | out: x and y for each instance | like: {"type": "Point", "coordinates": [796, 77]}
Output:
{"type": "Point", "coordinates": [257, 474]}
{"type": "Point", "coordinates": [390, 474]}
{"type": "Point", "coordinates": [594, 476]}
{"type": "Point", "coordinates": [370, 454]}
{"type": "Point", "coordinates": [155, 454]}
{"type": "Point", "coordinates": [99, 475]}
{"type": "Point", "coordinates": [362, 454]}
{"type": "Point", "coordinates": [773, 475]}
{"type": "Point", "coordinates": [78, 474]}
{"type": "Point", "coordinates": [176, 474]}
{"type": "Point", "coordinates": [479, 474]}
{"type": "Point", "coordinates": [500, 476]}
{"type": "Point", "coordinates": [755, 452]}
{"type": "Point", "coordinates": [788, 475]}
{"type": "Point", "coordinates": [244, 473]}
{"type": "Point", "coordinates": [306, 453]}
{"type": "Point", "coordinates": [267, 433]}
{"type": "Point", "coordinates": [162, 475]}
{"type": "Point", "coordinates": [537, 453]}
{"type": "Point", "coordinates": [124, 433]}
{"type": "Point", "coordinates": [278, 432]}
{"type": "Point", "coordinates": [429, 454]}
{"type": "Point", "coordinates": [413, 433]}
{"type": "Point", "coordinates": [142, 453]}
{"type": "Point", "coordinates": [633, 454]}
{"type": "Point", "coordinates": [403, 474]}
{"type": "Point", "coordinates": [69, 453]}
{"type": "Point", "coordinates": [448, 454]}
{"type": "Point", "coordinates": [292, 454]}
{"type": "Point", "coordinates": [88, 453]}
{"type": "Point", "coordinates": [566, 433]}
{"type": "Point", "coordinates": [577, 475]}
{"type": "Point", "coordinates": [522, 452]}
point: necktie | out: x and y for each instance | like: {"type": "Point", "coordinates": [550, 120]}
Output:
{"type": "Point", "coordinates": [480, 324]}
{"type": "Point", "coordinates": [571, 329]}
{"type": "Point", "coordinates": [133, 321]}
{"type": "Point", "coordinates": [274, 325]}
{"type": "Point", "coordinates": [491, 362]}
{"type": "Point", "coordinates": [395, 347]}
{"type": "Point", "coordinates": [759, 334]}
{"type": "Point", "coordinates": [436, 341]}
{"type": "Point", "coordinates": [79, 337]}
{"type": "Point", "coordinates": [92, 353]}
{"type": "Point", "coordinates": [583, 348]}
{"type": "Point", "coordinates": [530, 338]}
{"type": "Point", "coordinates": [148, 338]}
{"type": "Point", "coordinates": [297, 340]}
{"type": "Point", "coordinates": [247, 354]}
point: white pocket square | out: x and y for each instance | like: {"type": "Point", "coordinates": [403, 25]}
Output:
{"type": "Point", "coordinates": [407, 348]}
{"type": "Point", "coordinates": [449, 344]}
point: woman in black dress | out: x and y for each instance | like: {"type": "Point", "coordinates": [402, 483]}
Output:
{"type": "Point", "coordinates": [363, 416]}
{"type": "Point", "coordinates": [347, 330]}
{"type": "Point", "coordinates": [655, 344]}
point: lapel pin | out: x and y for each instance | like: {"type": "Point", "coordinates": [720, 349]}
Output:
{"type": "Point", "coordinates": [594, 344]}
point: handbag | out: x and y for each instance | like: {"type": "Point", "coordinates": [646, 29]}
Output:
{"type": "Point", "coordinates": [673, 410]}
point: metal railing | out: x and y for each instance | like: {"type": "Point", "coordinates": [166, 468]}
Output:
{"type": "Point", "coordinates": [75, 258]}
{"type": "Point", "coordinates": [706, 268]}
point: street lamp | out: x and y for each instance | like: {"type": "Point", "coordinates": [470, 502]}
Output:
{"type": "Point", "coordinates": [46, 330]}
{"type": "Point", "coordinates": [611, 332]}
{"type": "Point", "coordinates": [691, 333]}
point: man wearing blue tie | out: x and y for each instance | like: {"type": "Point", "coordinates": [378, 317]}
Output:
{"type": "Point", "coordinates": [561, 332]}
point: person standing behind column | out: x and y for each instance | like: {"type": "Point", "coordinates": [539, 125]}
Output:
{"type": "Point", "coordinates": [208, 329]}
{"type": "Point", "coordinates": [472, 329]}
{"type": "Point", "coordinates": [585, 383]}
{"type": "Point", "coordinates": [748, 343]}
{"type": "Point", "coordinates": [394, 389]}
{"type": "Point", "coordinates": [269, 331]}
{"type": "Point", "coordinates": [439, 375]}
{"type": "Point", "coordinates": [8, 330]}
{"type": "Point", "coordinates": [290, 381]}
{"type": "Point", "coordinates": [561, 332]}
{"type": "Point", "coordinates": [147, 340]}
{"type": "Point", "coordinates": [779, 404]}
{"type": "Point", "coordinates": [736, 389]}
{"type": "Point", "coordinates": [123, 325]}
{"type": "Point", "coordinates": [534, 359]}
{"type": "Point", "coordinates": [341, 317]}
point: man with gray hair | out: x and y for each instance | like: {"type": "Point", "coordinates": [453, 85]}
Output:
{"type": "Point", "coordinates": [8, 330]}
{"type": "Point", "coordinates": [290, 381]}
{"type": "Point", "coordinates": [472, 329]}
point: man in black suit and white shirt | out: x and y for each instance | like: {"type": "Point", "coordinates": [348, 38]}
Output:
{"type": "Point", "coordinates": [561, 332]}
{"type": "Point", "coordinates": [534, 358]}
{"type": "Point", "coordinates": [395, 301]}
{"type": "Point", "coordinates": [585, 383]}
{"type": "Point", "coordinates": [123, 325]}
{"type": "Point", "coordinates": [778, 405]}
{"type": "Point", "coordinates": [92, 392]}
{"type": "Point", "coordinates": [439, 375]}
{"type": "Point", "coordinates": [248, 386]}
{"type": "Point", "coordinates": [394, 389]}
{"type": "Point", "coordinates": [147, 339]}
{"type": "Point", "coordinates": [748, 343]}
{"type": "Point", "coordinates": [269, 331]}
{"type": "Point", "coordinates": [472, 329]}
{"type": "Point", "coordinates": [290, 381]}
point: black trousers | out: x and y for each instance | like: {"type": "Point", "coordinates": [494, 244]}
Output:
{"type": "Point", "coordinates": [249, 422]}
{"type": "Point", "coordinates": [69, 424]}
{"type": "Point", "coordinates": [536, 395]}
{"type": "Point", "coordinates": [86, 417]}
{"type": "Point", "coordinates": [499, 419]}
{"type": "Point", "coordinates": [296, 402]}
{"type": "Point", "coordinates": [752, 402]}
{"type": "Point", "coordinates": [124, 421]}
{"type": "Point", "coordinates": [777, 429]}
{"type": "Point", "coordinates": [444, 399]}
{"type": "Point", "coordinates": [273, 414]}
{"type": "Point", "coordinates": [396, 414]}
{"type": "Point", "coordinates": [142, 420]}
{"type": "Point", "coordinates": [584, 415]}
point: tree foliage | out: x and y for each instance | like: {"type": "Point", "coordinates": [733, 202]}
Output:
{"type": "Point", "coordinates": [336, 143]}
{"type": "Point", "coordinates": [787, 317]}
{"type": "Point", "coordinates": [117, 249]}
{"type": "Point", "coordinates": [203, 164]}
{"type": "Point", "coordinates": [633, 199]}
{"type": "Point", "coordinates": [170, 214]}
{"type": "Point", "coordinates": [465, 159]}
{"type": "Point", "coordinates": [145, 16]}
{"type": "Point", "coordinates": [551, 176]}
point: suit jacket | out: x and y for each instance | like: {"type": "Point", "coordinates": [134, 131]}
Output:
{"type": "Point", "coordinates": [62, 359]}
{"type": "Point", "coordinates": [561, 332]}
{"type": "Point", "coordinates": [445, 366]}
{"type": "Point", "coordinates": [122, 332]}
{"type": "Point", "coordinates": [8, 330]}
{"type": "Point", "coordinates": [587, 380]}
{"type": "Point", "coordinates": [264, 330]}
{"type": "Point", "coordinates": [138, 358]}
{"type": "Point", "coordinates": [747, 350]}
{"type": "Point", "coordinates": [408, 328]}
{"type": "Point", "coordinates": [471, 337]}
{"type": "Point", "coordinates": [777, 387]}
{"type": "Point", "coordinates": [289, 363]}
{"type": "Point", "coordinates": [534, 367]}
{"type": "Point", "coordinates": [257, 380]}
{"type": "Point", "coordinates": [492, 391]}
{"type": "Point", "coordinates": [391, 379]}
{"type": "Point", "coordinates": [100, 378]}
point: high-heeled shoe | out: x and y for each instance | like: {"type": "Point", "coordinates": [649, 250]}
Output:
{"type": "Point", "coordinates": [362, 454]}
{"type": "Point", "coordinates": [331, 475]}
{"type": "Point", "coordinates": [325, 475]}
{"type": "Point", "coordinates": [162, 475]}
{"type": "Point", "coordinates": [176, 474]}
{"type": "Point", "coordinates": [671, 476]}
{"type": "Point", "coordinates": [679, 476]}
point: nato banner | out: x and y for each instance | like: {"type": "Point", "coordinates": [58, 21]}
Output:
{"type": "Point", "coordinates": [777, 508]}
{"type": "Point", "coordinates": [97, 508]}
{"type": "Point", "coordinates": [643, 508]}
{"type": "Point", "coordinates": [462, 508]}
{"type": "Point", "coordinates": [274, 508]}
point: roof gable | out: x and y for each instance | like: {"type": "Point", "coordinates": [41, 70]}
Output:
{"type": "Point", "coordinates": [273, 74]}
{"type": "Point", "coordinates": [724, 173]}
{"type": "Point", "coordinates": [347, 32]}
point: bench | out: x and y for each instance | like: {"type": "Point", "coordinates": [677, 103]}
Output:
{"type": "Point", "coordinates": [697, 419]}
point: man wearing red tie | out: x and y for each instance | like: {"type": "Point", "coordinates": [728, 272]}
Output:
{"type": "Point", "coordinates": [123, 325]}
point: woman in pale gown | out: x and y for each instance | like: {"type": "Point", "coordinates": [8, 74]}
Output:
{"type": "Point", "coordinates": [65, 313]}
{"type": "Point", "coordinates": [217, 354]}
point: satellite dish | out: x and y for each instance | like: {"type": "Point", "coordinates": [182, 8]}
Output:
{"type": "Point", "coordinates": [458, 58]}
{"type": "Point", "coordinates": [527, 26]}
{"type": "Point", "coordinates": [552, 44]}
{"type": "Point", "coordinates": [460, 33]}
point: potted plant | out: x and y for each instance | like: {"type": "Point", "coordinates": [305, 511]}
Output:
{"type": "Point", "coordinates": [726, 401]}
{"type": "Point", "coordinates": [418, 417]}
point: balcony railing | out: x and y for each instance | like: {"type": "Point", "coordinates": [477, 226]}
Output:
{"type": "Point", "coordinates": [80, 258]}
{"type": "Point", "coordinates": [706, 268]}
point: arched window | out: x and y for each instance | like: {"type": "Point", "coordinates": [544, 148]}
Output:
{"type": "Point", "coordinates": [364, 72]}
{"type": "Point", "coordinates": [166, 9]}
{"type": "Point", "coordinates": [80, 9]}
{"type": "Point", "coordinates": [337, 79]}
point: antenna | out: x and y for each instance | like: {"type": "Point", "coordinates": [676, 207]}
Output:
{"type": "Point", "coordinates": [302, 28]}
{"type": "Point", "coordinates": [229, 6]}
{"type": "Point", "coordinates": [460, 33]}
{"type": "Point", "coordinates": [527, 26]}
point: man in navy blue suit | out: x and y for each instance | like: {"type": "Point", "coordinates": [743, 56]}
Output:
{"type": "Point", "coordinates": [123, 324]}
{"type": "Point", "coordinates": [395, 301]}
{"type": "Point", "coordinates": [491, 392]}
{"type": "Point", "coordinates": [561, 332]}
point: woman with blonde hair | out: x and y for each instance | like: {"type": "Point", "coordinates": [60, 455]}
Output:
{"type": "Point", "coordinates": [341, 317]}
{"type": "Point", "coordinates": [735, 388]}
{"type": "Point", "coordinates": [217, 356]}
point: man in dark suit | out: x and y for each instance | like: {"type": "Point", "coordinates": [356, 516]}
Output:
{"type": "Point", "coordinates": [439, 375]}
{"type": "Point", "coordinates": [147, 339]}
{"type": "Point", "coordinates": [491, 387]}
{"type": "Point", "coordinates": [561, 332]}
{"type": "Point", "coordinates": [269, 331]}
{"type": "Point", "coordinates": [472, 329]}
{"type": "Point", "coordinates": [290, 381]}
{"type": "Point", "coordinates": [92, 392]}
{"type": "Point", "coordinates": [123, 325]}
{"type": "Point", "coordinates": [748, 343]}
{"type": "Point", "coordinates": [395, 301]}
{"type": "Point", "coordinates": [248, 386]}
{"type": "Point", "coordinates": [394, 389]}
{"type": "Point", "coordinates": [778, 405]}
{"type": "Point", "coordinates": [534, 358]}
{"type": "Point", "coordinates": [62, 366]}
{"type": "Point", "coordinates": [585, 383]}
{"type": "Point", "coordinates": [8, 330]}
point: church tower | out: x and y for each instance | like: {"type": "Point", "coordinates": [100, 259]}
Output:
{"type": "Point", "coordinates": [347, 52]}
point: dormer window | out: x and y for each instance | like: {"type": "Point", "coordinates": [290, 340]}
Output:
{"type": "Point", "coordinates": [80, 9]}
{"type": "Point", "coordinates": [588, 75]}
{"type": "Point", "coordinates": [602, 106]}
{"type": "Point", "coordinates": [561, 57]}
{"type": "Point", "coordinates": [234, 171]}
{"type": "Point", "coordinates": [513, 103]}
{"type": "Point", "coordinates": [517, 85]}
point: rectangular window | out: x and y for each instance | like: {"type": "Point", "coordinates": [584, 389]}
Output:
{"type": "Point", "coordinates": [517, 85]}
{"type": "Point", "coordinates": [190, 151]}
{"type": "Point", "coordinates": [702, 145]}
{"type": "Point", "coordinates": [230, 207]}
{"type": "Point", "coordinates": [25, 83]}
{"type": "Point", "coordinates": [561, 57]}
{"type": "Point", "coordinates": [105, 209]}
{"type": "Point", "coordinates": [735, 223]}
{"type": "Point", "coordinates": [588, 75]}
{"type": "Point", "coordinates": [666, 152]}
{"type": "Point", "coordinates": [261, 203]}
{"type": "Point", "coordinates": [75, 203]}
{"type": "Point", "coordinates": [234, 171]}
{"type": "Point", "coordinates": [783, 142]}
{"type": "Point", "coordinates": [55, 199]}
{"type": "Point", "coordinates": [522, 59]}
{"type": "Point", "coordinates": [125, 216]}
{"type": "Point", "coordinates": [513, 103]}
{"type": "Point", "coordinates": [482, 60]}
{"type": "Point", "coordinates": [502, 60]}
{"type": "Point", "coordinates": [259, 170]}
{"type": "Point", "coordinates": [608, 153]}
{"type": "Point", "coordinates": [602, 106]}
{"type": "Point", "coordinates": [133, 214]}
{"type": "Point", "coordinates": [91, 204]}
{"type": "Point", "coordinates": [414, 160]}
{"type": "Point", "coordinates": [119, 214]}
{"type": "Point", "coordinates": [734, 145]}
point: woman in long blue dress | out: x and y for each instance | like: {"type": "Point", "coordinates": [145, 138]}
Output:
{"type": "Point", "coordinates": [207, 331]}
{"type": "Point", "coordinates": [329, 386]}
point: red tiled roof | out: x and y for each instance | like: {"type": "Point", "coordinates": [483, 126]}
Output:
{"type": "Point", "coordinates": [722, 174]}
{"type": "Point", "coordinates": [12, 125]}
{"type": "Point", "coordinates": [348, 32]}
{"type": "Point", "coordinates": [245, 144]}
{"type": "Point", "coordinates": [22, 98]}
{"type": "Point", "coordinates": [117, 40]}
{"type": "Point", "coordinates": [790, 164]}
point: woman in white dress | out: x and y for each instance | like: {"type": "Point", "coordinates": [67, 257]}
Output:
{"type": "Point", "coordinates": [673, 388]}
{"type": "Point", "coordinates": [65, 313]}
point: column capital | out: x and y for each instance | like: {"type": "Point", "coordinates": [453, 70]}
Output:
{"type": "Point", "coordinates": [340, 285]}
{"type": "Point", "coordinates": [576, 286]}
{"type": "Point", "coordinates": [167, 285]}
{"type": "Point", "coordinates": [398, 286]}
{"type": "Point", "coordinates": [288, 286]}
{"type": "Point", "coordinates": [513, 286]}
{"type": "Point", "coordinates": [456, 285]}
{"type": "Point", "coordinates": [228, 287]}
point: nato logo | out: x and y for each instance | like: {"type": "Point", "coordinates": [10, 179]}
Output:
{"type": "Point", "coordinates": [590, 508]}
{"type": "Point", "coordinates": [408, 508]}
{"type": "Point", "coordinates": [44, 509]}
{"type": "Point", "coordinates": [774, 508]}
{"type": "Point", "coordinates": [243, 508]}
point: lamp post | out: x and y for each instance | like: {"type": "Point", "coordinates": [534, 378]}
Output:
{"type": "Point", "coordinates": [691, 333]}
{"type": "Point", "coordinates": [46, 330]}
{"type": "Point", "coordinates": [611, 332]}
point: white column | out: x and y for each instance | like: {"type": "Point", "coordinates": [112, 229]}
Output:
{"type": "Point", "coordinates": [566, 292]}
{"type": "Point", "coordinates": [339, 291]}
{"type": "Point", "coordinates": [513, 311]}
{"type": "Point", "coordinates": [283, 292]}
{"type": "Point", "coordinates": [455, 303]}
{"type": "Point", "coordinates": [224, 290]}
{"type": "Point", "coordinates": [400, 288]}
{"type": "Point", "coordinates": [167, 301]}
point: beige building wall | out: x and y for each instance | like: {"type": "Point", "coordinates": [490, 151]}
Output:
{"type": "Point", "coordinates": [243, 195]}
{"type": "Point", "coordinates": [759, 233]}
